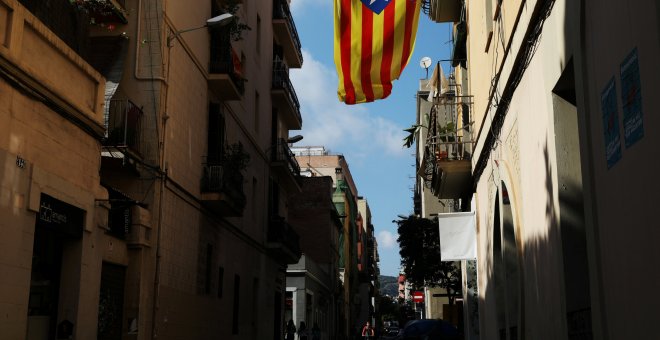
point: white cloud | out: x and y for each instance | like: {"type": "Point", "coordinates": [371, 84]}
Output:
{"type": "Point", "coordinates": [335, 125]}
{"type": "Point", "coordinates": [386, 239]}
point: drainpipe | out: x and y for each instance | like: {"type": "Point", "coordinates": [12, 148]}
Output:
{"type": "Point", "coordinates": [162, 176]}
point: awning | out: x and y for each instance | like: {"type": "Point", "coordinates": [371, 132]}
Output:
{"type": "Point", "coordinates": [458, 236]}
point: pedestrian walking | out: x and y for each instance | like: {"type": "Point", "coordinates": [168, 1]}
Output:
{"type": "Point", "coordinates": [316, 332]}
{"type": "Point", "coordinates": [303, 333]}
{"type": "Point", "coordinates": [367, 331]}
{"type": "Point", "coordinates": [290, 330]}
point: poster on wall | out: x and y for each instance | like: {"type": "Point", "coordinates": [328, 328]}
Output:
{"type": "Point", "coordinates": [610, 124]}
{"type": "Point", "coordinates": [631, 99]}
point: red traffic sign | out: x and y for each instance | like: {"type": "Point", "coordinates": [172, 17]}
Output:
{"type": "Point", "coordinates": [418, 296]}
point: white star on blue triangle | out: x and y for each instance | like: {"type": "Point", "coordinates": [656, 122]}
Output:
{"type": "Point", "coordinates": [376, 6]}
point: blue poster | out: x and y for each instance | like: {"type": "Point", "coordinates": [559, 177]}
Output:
{"type": "Point", "coordinates": [631, 99]}
{"type": "Point", "coordinates": [611, 124]}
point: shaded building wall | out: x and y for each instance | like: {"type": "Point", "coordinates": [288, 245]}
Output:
{"type": "Point", "coordinates": [212, 271]}
{"type": "Point", "coordinates": [551, 158]}
{"type": "Point", "coordinates": [49, 145]}
{"type": "Point", "coordinates": [620, 232]}
{"type": "Point", "coordinates": [313, 213]}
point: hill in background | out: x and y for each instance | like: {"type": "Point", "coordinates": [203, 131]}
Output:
{"type": "Point", "coordinates": [389, 285]}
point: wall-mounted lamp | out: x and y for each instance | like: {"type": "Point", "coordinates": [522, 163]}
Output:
{"type": "Point", "coordinates": [220, 20]}
{"type": "Point", "coordinates": [294, 139]}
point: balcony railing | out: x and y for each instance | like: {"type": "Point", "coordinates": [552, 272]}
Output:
{"type": "Point", "coordinates": [450, 135]}
{"type": "Point", "coordinates": [123, 125]}
{"type": "Point", "coordinates": [219, 178]}
{"type": "Point", "coordinates": [227, 183]}
{"type": "Point", "coordinates": [281, 82]}
{"type": "Point", "coordinates": [282, 153]}
{"type": "Point", "coordinates": [283, 241]}
{"type": "Point", "coordinates": [449, 145]}
{"type": "Point", "coordinates": [224, 59]}
{"type": "Point", "coordinates": [281, 11]}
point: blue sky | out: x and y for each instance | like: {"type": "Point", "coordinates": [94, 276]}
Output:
{"type": "Point", "coordinates": [368, 135]}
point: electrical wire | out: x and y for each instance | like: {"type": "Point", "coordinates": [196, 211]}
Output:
{"type": "Point", "coordinates": [527, 50]}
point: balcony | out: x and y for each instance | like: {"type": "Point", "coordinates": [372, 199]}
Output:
{"type": "Point", "coordinates": [284, 96]}
{"type": "Point", "coordinates": [284, 165]}
{"type": "Point", "coordinates": [222, 189]}
{"type": "Point", "coordinates": [285, 30]}
{"type": "Point", "coordinates": [443, 10]}
{"type": "Point", "coordinates": [123, 127]}
{"type": "Point", "coordinates": [225, 78]}
{"type": "Point", "coordinates": [450, 147]}
{"type": "Point", "coordinates": [283, 242]}
{"type": "Point", "coordinates": [106, 12]}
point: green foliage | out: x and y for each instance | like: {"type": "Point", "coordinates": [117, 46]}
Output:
{"type": "Point", "coordinates": [235, 156]}
{"type": "Point", "coordinates": [419, 243]}
{"type": "Point", "coordinates": [96, 6]}
{"type": "Point", "coordinates": [409, 140]}
{"type": "Point", "coordinates": [388, 285]}
{"type": "Point", "coordinates": [235, 27]}
{"type": "Point", "coordinates": [387, 308]}
{"type": "Point", "coordinates": [446, 132]}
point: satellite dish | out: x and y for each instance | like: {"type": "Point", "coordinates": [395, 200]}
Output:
{"type": "Point", "coordinates": [425, 63]}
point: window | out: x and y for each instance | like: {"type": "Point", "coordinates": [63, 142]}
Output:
{"type": "Point", "coordinates": [254, 198]}
{"type": "Point", "coordinates": [488, 17]}
{"type": "Point", "coordinates": [256, 111]}
{"type": "Point", "coordinates": [255, 304]}
{"type": "Point", "coordinates": [209, 260]}
{"type": "Point", "coordinates": [119, 216]}
{"type": "Point", "coordinates": [221, 277]}
{"type": "Point", "coordinates": [258, 34]}
{"type": "Point", "coordinates": [237, 287]}
{"type": "Point", "coordinates": [215, 134]}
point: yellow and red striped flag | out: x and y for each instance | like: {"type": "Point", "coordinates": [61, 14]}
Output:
{"type": "Point", "coordinates": [371, 50]}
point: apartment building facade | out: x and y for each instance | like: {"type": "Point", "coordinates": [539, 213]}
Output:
{"type": "Point", "coordinates": [51, 211]}
{"type": "Point", "coordinates": [183, 232]}
{"type": "Point", "coordinates": [314, 291]}
{"type": "Point", "coordinates": [316, 161]}
{"type": "Point", "coordinates": [561, 151]}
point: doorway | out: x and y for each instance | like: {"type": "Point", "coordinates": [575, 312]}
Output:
{"type": "Point", "coordinates": [44, 284]}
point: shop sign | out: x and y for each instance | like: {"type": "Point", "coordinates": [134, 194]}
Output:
{"type": "Point", "coordinates": [60, 216]}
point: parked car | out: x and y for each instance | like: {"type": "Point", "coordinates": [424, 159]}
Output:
{"type": "Point", "coordinates": [393, 331]}
{"type": "Point", "coordinates": [428, 329]}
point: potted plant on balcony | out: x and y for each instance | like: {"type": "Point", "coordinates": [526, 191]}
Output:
{"type": "Point", "coordinates": [235, 157]}
{"type": "Point", "coordinates": [235, 27]}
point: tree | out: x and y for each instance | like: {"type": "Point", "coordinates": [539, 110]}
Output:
{"type": "Point", "coordinates": [387, 308]}
{"type": "Point", "coordinates": [419, 244]}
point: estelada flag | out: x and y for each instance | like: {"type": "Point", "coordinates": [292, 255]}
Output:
{"type": "Point", "coordinates": [374, 40]}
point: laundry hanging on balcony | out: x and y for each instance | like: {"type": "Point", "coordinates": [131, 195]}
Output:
{"type": "Point", "coordinates": [372, 48]}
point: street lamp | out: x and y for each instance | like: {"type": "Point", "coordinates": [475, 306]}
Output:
{"type": "Point", "coordinates": [294, 139]}
{"type": "Point", "coordinates": [220, 20]}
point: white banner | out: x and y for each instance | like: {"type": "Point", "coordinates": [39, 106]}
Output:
{"type": "Point", "coordinates": [458, 236]}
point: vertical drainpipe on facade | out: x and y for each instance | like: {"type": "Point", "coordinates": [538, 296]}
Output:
{"type": "Point", "coordinates": [162, 171]}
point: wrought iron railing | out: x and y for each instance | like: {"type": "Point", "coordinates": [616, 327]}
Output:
{"type": "Point", "coordinates": [281, 81]}
{"type": "Point", "coordinates": [282, 153]}
{"type": "Point", "coordinates": [219, 178]}
{"type": "Point", "coordinates": [123, 125]}
{"type": "Point", "coordinates": [281, 11]}
{"type": "Point", "coordinates": [223, 58]}
{"type": "Point", "coordinates": [451, 133]}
